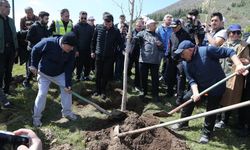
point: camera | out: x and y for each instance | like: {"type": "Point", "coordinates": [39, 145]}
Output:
{"type": "Point", "coordinates": [9, 141]}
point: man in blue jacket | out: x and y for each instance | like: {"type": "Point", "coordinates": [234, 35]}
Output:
{"type": "Point", "coordinates": [54, 57]}
{"type": "Point", "coordinates": [203, 69]}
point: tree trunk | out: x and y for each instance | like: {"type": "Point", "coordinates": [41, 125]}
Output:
{"type": "Point", "coordinates": [126, 60]}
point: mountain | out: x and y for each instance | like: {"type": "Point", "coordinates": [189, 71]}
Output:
{"type": "Point", "coordinates": [235, 11]}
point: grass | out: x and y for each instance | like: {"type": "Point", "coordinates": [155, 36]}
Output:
{"type": "Point", "coordinates": [59, 133]}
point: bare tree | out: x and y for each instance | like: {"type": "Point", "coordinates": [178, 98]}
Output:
{"type": "Point", "coordinates": [128, 48]}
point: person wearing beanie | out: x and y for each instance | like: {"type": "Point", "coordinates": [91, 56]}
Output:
{"type": "Point", "coordinates": [197, 63]}
{"type": "Point", "coordinates": [55, 58]}
{"type": "Point", "coordinates": [104, 45]}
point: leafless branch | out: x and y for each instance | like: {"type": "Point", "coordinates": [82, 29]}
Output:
{"type": "Point", "coordinates": [119, 5]}
{"type": "Point", "coordinates": [139, 10]}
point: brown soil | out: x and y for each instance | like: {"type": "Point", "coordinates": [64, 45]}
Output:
{"type": "Point", "coordinates": [157, 139]}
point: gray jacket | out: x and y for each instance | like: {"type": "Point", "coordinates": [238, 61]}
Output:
{"type": "Point", "coordinates": [149, 51]}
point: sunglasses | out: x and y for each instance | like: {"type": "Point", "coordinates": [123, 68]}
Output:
{"type": "Point", "coordinates": [83, 18]}
{"type": "Point", "coordinates": [236, 32]}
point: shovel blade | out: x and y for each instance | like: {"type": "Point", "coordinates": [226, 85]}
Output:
{"type": "Point", "coordinates": [117, 115]}
{"type": "Point", "coordinates": [162, 114]}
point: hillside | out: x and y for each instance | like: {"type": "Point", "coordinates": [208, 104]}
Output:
{"type": "Point", "coordinates": [235, 11]}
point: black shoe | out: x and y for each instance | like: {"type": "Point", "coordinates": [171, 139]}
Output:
{"type": "Point", "coordinates": [179, 126]}
{"type": "Point", "coordinates": [26, 84]}
{"type": "Point", "coordinates": [103, 97]}
{"type": "Point", "coordinates": [178, 101]}
{"type": "Point", "coordinates": [8, 105]}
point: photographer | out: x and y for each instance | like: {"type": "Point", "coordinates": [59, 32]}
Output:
{"type": "Point", "coordinates": [21, 139]}
{"type": "Point", "coordinates": [194, 27]}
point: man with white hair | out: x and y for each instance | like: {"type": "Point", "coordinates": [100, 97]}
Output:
{"type": "Point", "coordinates": [165, 32]}
{"type": "Point", "coordinates": [29, 19]}
{"type": "Point", "coordinates": [151, 52]}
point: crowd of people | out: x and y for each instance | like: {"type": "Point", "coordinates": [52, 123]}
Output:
{"type": "Point", "coordinates": [187, 51]}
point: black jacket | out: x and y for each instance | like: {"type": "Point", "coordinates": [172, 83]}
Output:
{"type": "Point", "coordinates": [176, 39]}
{"type": "Point", "coordinates": [84, 33]}
{"type": "Point", "coordinates": [135, 46]}
{"type": "Point", "coordinates": [36, 33]}
{"type": "Point", "coordinates": [105, 42]}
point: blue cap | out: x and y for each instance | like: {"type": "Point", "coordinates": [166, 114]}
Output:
{"type": "Point", "coordinates": [234, 27]}
{"type": "Point", "coordinates": [184, 45]}
{"type": "Point", "coordinates": [175, 23]}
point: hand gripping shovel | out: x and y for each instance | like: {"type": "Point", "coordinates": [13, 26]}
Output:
{"type": "Point", "coordinates": [113, 115]}
{"type": "Point", "coordinates": [167, 114]}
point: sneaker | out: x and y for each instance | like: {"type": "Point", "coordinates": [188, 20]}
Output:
{"type": "Point", "coordinates": [71, 117]}
{"type": "Point", "coordinates": [204, 139]}
{"type": "Point", "coordinates": [161, 78]}
{"type": "Point", "coordinates": [26, 84]}
{"type": "Point", "coordinates": [8, 105]}
{"type": "Point", "coordinates": [137, 89]}
{"type": "Point", "coordinates": [179, 126]}
{"type": "Point", "coordinates": [220, 125]}
{"type": "Point", "coordinates": [103, 96]}
{"type": "Point", "coordinates": [95, 94]}
{"type": "Point", "coordinates": [37, 123]}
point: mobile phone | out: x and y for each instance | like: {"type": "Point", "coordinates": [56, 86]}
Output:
{"type": "Point", "coordinates": [9, 141]}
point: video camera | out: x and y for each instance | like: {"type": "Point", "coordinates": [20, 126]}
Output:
{"type": "Point", "coordinates": [193, 25]}
{"type": "Point", "coordinates": [9, 141]}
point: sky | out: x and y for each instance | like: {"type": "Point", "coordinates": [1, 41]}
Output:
{"type": "Point", "coordinates": [93, 7]}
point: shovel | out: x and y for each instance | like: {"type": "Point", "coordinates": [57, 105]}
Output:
{"type": "Point", "coordinates": [113, 115]}
{"type": "Point", "coordinates": [167, 114]}
{"type": "Point", "coordinates": [116, 134]}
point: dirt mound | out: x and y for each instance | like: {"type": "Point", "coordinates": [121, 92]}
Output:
{"type": "Point", "coordinates": [157, 139]}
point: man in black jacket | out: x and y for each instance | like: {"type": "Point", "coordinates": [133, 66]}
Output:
{"type": "Point", "coordinates": [8, 50]}
{"type": "Point", "coordinates": [84, 33]}
{"type": "Point", "coordinates": [105, 41]}
{"type": "Point", "coordinates": [176, 69]}
{"type": "Point", "coordinates": [134, 56]}
{"type": "Point", "coordinates": [35, 34]}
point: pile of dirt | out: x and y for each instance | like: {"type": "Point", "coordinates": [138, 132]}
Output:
{"type": "Point", "coordinates": [157, 139]}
